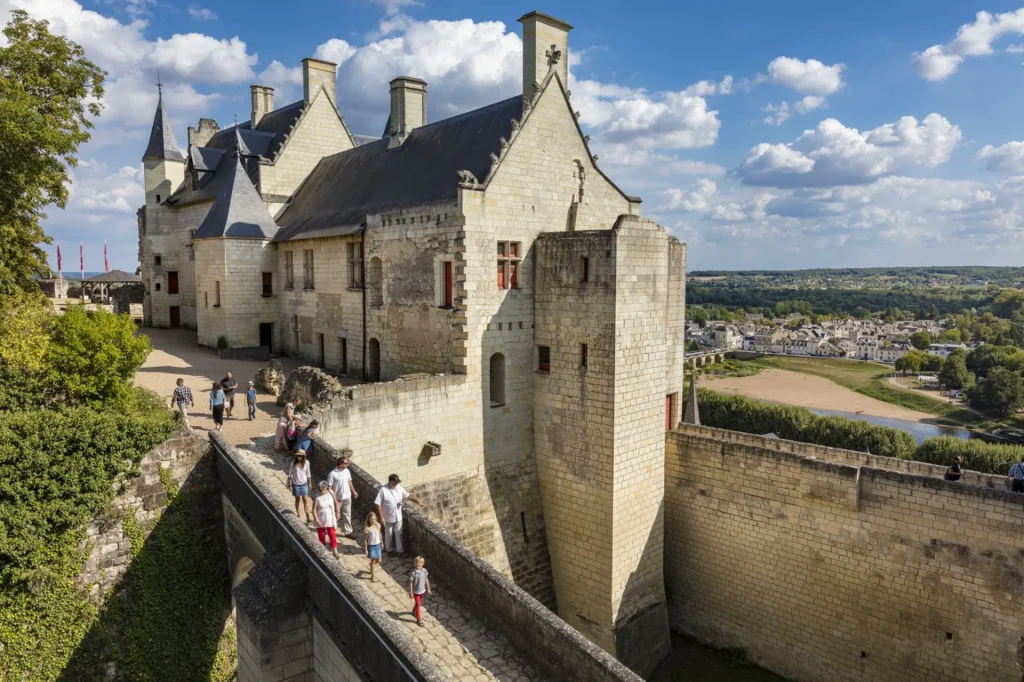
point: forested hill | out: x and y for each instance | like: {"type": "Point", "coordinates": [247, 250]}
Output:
{"type": "Point", "coordinates": [1004, 276]}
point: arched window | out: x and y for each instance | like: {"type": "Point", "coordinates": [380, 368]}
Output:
{"type": "Point", "coordinates": [373, 360]}
{"type": "Point", "coordinates": [375, 283]}
{"type": "Point", "coordinates": [497, 380]}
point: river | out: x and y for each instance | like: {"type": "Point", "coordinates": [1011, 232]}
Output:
{"type": "Point", "coordinates": [691, 661]}
{"type": "Point", "coordinates": [919, 430]}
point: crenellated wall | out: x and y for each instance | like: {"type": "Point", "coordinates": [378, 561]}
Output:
{"type": "Point", "coordinates": [824, 566]}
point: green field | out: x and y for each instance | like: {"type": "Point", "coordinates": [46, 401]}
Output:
{"type": "Point", "coordinates": [867, 378]}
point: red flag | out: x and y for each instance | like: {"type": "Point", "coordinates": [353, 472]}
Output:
{"type": "Point", "coordinates": [106, 267]}
{"type": "Point", "coordinates": [59, 264]}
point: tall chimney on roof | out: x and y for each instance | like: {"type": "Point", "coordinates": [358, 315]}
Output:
{"type": "Point", "coordinates": [262, 102]}
{"type": "Point", "coordinates": [408, 108]}
{"type": "Point", "coordinates": [317, 72]}
{"type": "Point", "coordinates": [545, 45]}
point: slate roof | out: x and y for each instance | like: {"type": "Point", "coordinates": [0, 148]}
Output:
{"type": "Point", "coordinates": [238, 211]}
{"type": "Point", "coordinates": [114, 276]}
{"type": "Point", "coordinates": [336, 197]}
{"type": "Point", "coordinates": [162, 144]}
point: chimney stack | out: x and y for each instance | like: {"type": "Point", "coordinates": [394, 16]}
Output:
{"type": "Point", "coordinates": [408, 108]}
{"type": "Point", "coordinates": [316, 73]}
{"type": "Point", "coordinates": [545, 44]}
{"type": "Point", "coordinates": [262, 102]}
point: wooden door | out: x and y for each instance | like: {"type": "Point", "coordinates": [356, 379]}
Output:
{"type": "Point", "coordinates": [175, 317]}
{"type": "Point", "coordinates": [172, 282]}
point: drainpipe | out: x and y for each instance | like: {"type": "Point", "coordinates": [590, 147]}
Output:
{"type": "Point", "coordinates": [362, 246]}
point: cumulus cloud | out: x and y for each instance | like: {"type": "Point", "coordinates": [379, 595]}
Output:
{"type": "Point", "coordinates": [777, 113]}
{"type": "Point", "coordinates": [972, 40]}
{"type": "Point", "coordinates": [95, 189]}
{"type": "Point", "coordinates": [809, 77]}
{"type": "Point", "coordinates": [1007, 157]}
{"type": "Point", "coordinates": [676, 199]}
{"type": "Point", "coordinates": [395, 6]}
{"type": "Point", "coordinates": [833, 154]}
{"type": "Point", "coordinates": [202, 13]}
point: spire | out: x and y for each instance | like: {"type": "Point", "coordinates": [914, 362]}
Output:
{"type": "Point", "coordinates": [238, 211]}
{"type": "Point", "coordinates": [162, 145]}
{"type": "Point", "coordinates": [692, 414]}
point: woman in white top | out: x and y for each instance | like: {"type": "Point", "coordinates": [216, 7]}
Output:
{"type": "Point", "coordinates": [282, 424]}
{"type": "Point", "coordinates": [298, 482]}
{"type": "Point", "coordinates": [326, 508]}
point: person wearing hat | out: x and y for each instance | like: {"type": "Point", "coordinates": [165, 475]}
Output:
{"type": "Point", "coordinates": [389, 502]}
{"type": "Point", "coordinates": [250, 400]}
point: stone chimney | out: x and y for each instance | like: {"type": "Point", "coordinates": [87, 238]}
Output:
{"type": "Point", "coordinates": [316, 72]}
{"type": "Point", "coordinates": [198, 137]}
{"type": "Point", "coordinates": [545, 44]}
{"type": "Point", "coordinates": [408, 108]}
{"type": "Point", "coordinates": [262, 102]}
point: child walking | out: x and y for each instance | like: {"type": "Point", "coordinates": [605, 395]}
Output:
{"type": "Point", "coordinates": [327, 517]}
{"type": "Point", "coordinates": [419, 584]}
{"type": "Point", "coordinates": [371, 542]}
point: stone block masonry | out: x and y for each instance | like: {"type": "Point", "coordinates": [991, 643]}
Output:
{"type": "Point", "coordinates": [823, 565]}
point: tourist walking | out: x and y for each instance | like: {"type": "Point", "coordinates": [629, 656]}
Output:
{"type": "Point", "coordinates": [298, 482]}
{"type": "Point", "coordinates": [280, 436]}
{"type": "Point", "coordinates": [250, 400]}
{"type": "Point", "coordinates": [217, 399]}
{"type": "Point", "coordinates": [229, 385]}
{"type": "Point", "coordinates": [294, 427]}
{"type": "Point", "coordinates": [419, 585]}
{"type": "Point", "coordinates": [955, 471]}
{"type": "Point", "coordinates": [305, 441]}
{"type": "Point", "coordinates": [1017, 475]}
{"type": "Point", "coordinates": [182, 400]}
{"type": "Point", "coordinates": [326, 508]}
{"type": "Point", "coordinates": [371, 542]}
{"type": "Point", "coordinates": [340, 481]}
{"type": "Point", "coordinates": [389, 501]}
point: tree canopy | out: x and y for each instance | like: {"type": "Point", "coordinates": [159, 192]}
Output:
{"type": "Point", "coordinates": [48, 92]}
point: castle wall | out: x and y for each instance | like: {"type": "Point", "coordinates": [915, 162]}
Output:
{"type": "Point", "coordinates": [319, 133]}
{"type": "Point", "coordinates": [331, 308]}
{"type": "Point", "coordinates": [167, 233]}
{"type": "Point", "coordinates": [238, 264]}
{"type": "Point", "coordinates": [406, 310]}
{"type": "Point", "coordinates": [839, 570]}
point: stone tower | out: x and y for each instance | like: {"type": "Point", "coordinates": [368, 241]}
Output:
{"type": "Point", "coordinates": [163, 161]}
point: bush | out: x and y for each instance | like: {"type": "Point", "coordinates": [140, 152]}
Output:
{"type": "Point", "coordinates": [988, 458]}
{"type": "Point", "coordinates": [738, 413]}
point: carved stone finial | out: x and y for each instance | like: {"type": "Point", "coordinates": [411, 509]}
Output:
{"type": "Point", "coordinates": [504, 144]}
{"type": "Point", "coordinates": [568, 93]}
{"type": "Point", "coordinates": [595, 158]}
{"type": "Point", "coordinates": [586, 139]}
{"type": "Point", "coordinates": [527, 105]}
{"type": "Point", "coordinates": [515, 125]}
{"type": "Point", "coordinates": [576, 114]}
{"type": "Point", "coordinates": [536, 90]}
{"type": "Point", "coordinates": [494, 159]}
{"type": "Point", "coordinates": [553, 55]}
{"type": "Point", "coordinates": [467, 178]}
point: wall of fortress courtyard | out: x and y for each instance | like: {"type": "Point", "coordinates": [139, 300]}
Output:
{"type": "Point", "coordinates": [822, 565]}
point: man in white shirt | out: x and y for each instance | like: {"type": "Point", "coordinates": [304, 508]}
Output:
{"type": "Point", "coordinates": [389, 508]}
{"type": "Point", "coordinates": [340, 481]}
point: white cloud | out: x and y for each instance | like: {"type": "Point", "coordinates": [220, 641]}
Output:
{"type": "Point", "coordinates": [96, 190]}
{"type": "Point", "coordinates": [777, 113]}
{"type": "Point", "coordinates": [809, 103]}
{"type": "Point", "coordinates": [1016, 49]}
{"type": "Point", "coordinates": [1007, 157]}
{"type": "Point", "coordinates": [709, 88]}
{"type": "Point", "coordinates": [833, 154]}
{"type": "Point", "coordinates": [972, 40]}
{"type": "Point", "coordinates": [676, 199]}
{"type": "Point", "coordinates": [202, 13]}
{"type": "Point", "coordinates": [395, 6]}
{"type": "Point", "coordinates": [809, 77]}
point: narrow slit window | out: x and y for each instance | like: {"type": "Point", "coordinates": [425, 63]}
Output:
{"type": "Point", "coordinates": [585, 270]}
{"type": "Point", "coordinates": [544, 358]}
{"type": "Point", "coordinates": [583, 355]}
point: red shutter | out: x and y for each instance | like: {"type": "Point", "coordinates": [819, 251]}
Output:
{"type": "Point", "coordinates": [172, 282]}
{"type": "Point", "coordinates": [448, 284]}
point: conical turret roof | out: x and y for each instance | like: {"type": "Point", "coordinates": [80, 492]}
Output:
{"type": "Point", "coordinates": [162, 145]}
{"type": "Point", "coordinates": [238, 211]}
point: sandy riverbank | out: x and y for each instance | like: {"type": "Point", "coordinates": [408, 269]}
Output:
{"type": "Point", "coordinates": [805, 390]}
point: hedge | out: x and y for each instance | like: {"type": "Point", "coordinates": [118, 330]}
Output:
{"type": "Point", "coordinates": [988, 458]}
{"type": "Point", "coordinates": [738, 413]}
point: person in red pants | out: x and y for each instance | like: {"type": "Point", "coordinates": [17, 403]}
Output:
{"type": "Point", "coordinates": [326, 517]}
{"type": "Point", "coordinates": [419, 585]}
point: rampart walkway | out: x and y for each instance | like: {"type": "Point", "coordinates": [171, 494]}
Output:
{"type": "Point", "coordinates": [462, 647]}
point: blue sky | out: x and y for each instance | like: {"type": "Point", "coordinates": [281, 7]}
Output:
{"type": "Point", "coordinates": [776, 134]}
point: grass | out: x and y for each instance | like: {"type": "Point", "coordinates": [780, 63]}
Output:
{"type": "Point", "coordinates": [866, 378]}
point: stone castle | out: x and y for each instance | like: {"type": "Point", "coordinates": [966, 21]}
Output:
{"type": "Point", "coordinates": [517, 327]}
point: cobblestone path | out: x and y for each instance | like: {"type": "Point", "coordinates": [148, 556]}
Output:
{"type": "Point", "coordinates": [461, 646]}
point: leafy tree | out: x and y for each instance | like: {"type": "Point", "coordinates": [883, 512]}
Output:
{"type": "Point", "coordinates": [951, 335]}
{"type": "Point", "coordinates": [931, 363]}
{"type": "Point", "coordinates": [983, 358]}
{"type": "Point", "coordinates": [954, 372]}
{"type": "Point", "coordinates": [910, 362]}
{"type": "Point", "coordinates": [93, 356]}
{"type": "Point", "coordinates": [698, 315]}
{"type": "Point", "coordinates": [1009, 304]}
{"type": "Point", "coordinates": [25, 331]}
{"type": "Point", "coordinates": [921, 340]}
{"type": "Point", "coordinates": [1001, 393]}
{"type": "Point", "coordinates": [48, 89]}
